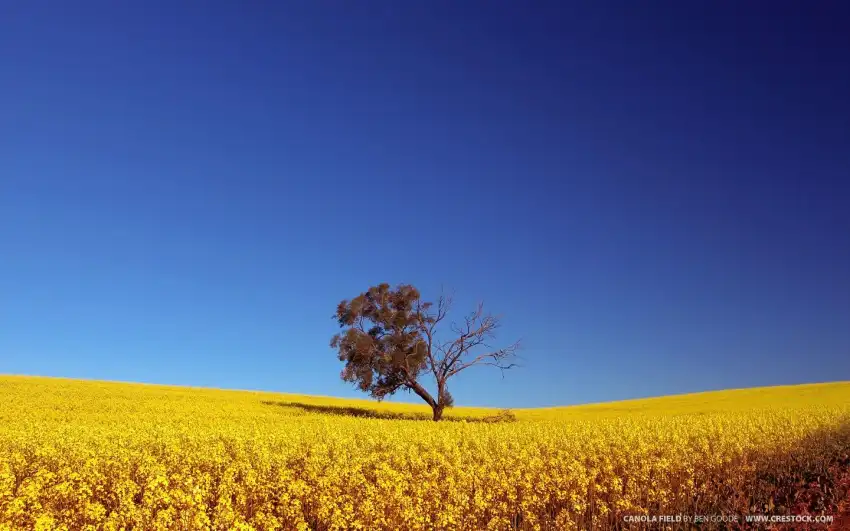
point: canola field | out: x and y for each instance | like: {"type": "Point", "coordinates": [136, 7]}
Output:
{"type": "Point", "coordinates": [78, 455]}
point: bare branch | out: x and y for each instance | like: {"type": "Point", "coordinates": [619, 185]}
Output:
{"type": "Point", "coordinates": [475, 331]}
{"type": "Point", "coordinates": [500, 359]}
{"type": "Point", "coordinates": [428, 322]}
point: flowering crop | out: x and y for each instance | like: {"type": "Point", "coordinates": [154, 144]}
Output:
{"type": "Point", "coordinates": [80, 455]}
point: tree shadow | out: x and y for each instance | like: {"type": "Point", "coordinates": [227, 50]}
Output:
{"type": "Point", "coordinates": [364, 412]}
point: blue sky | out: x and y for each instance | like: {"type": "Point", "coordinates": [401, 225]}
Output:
{"type": "Point", "coordinates": [655, 196]}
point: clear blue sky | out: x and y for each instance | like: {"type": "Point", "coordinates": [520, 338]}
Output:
{"type": "Point", "coordinates": [655, 195]}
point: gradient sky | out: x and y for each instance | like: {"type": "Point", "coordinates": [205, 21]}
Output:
{"type": "Point", "coordinates": [654, 195]}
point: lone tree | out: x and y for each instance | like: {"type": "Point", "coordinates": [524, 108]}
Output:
{"type": "Point", "coordinates": [390, 342]}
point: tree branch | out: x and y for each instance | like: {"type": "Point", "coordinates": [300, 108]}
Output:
{"type": "Point", "coordinates": [498, 358]}
{"type": "Point", "coordinates": [475, 332]}
{"type": "Point", "coordinates": [428, 323]}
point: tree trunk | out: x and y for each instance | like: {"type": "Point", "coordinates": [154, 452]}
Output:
{"type": "Point", "coordinates": [441, 404]}
{"type": "Point", "coordinates": [436, 405]}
